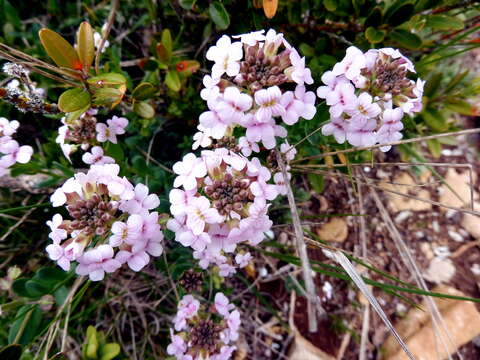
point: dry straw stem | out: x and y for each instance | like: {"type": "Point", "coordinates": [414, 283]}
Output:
{"type": "Point", "coordinates": [302, 250]}
{"type": "Point", "coordinates": [469, 168]}
{"type": "Point", "coordinates": [111, 19]}
{"type": "Point", "coordinates": [408, 260]}
{"type": "Point", "coordinates": [436, 203]}
{"type": "Point", "coordinates": [408, 141]}
{"type": "Point", "coordinates": [33, 64]}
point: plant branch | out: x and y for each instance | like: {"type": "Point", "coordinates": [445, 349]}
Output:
{"type": "Point", "coordinates": [111, 19]}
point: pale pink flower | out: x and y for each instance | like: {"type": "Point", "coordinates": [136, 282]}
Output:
{"type": "Point", "coordinates": [300, 73]}
{"type": "Point", "coordinates": [141, 202]}
{"type": "Point", "coordinates": [362, 132]}
{"type": "Point", "coordinates": [188, 170]}
{"type": "Point", "coordinates": [234, 104]}
{"type": "Point", "coordinates": [202, 138]}
{"type": "Point", "coordinates": [56, 233]}
{"type": "Point", "coordinates": [226, 57]}
{"type": "Point", "coordinates": [57, 253]}
{"type": "Point", "coordinates": [8, 128]}
{"type": "Point", "coordinates": [117, 125]}
{"type": "Point", "coordinates": [247, 147]}
{"type": "Point", "coordinates": [269, 104]}
{"type": "Point", "coordinates": [243, 259]}
{"type": "Point", "coordinates": [336, 127]}
{"type": "Point", "coordinates": [177, 347]}
{"type": "Point", "coordinates": [213, 121]}
{"type": "Point", "coordinates": [338, 99]}
{"type": "Point", "coordinates": [251, 38]}
{"type": "Point", "coordinates": [222, 305]}
{"type": "Point", "coordinates": [96, 156]}
{"type": "Point", "coordinates": [351, 65]}
{"type": "Point", "coordinates": [187, 308]}
{"type": "Point", "coordinates": [211, 90]}
{"type": "Point", "coordinates": [307, 98]}
{"type": "Point", "coordinates": [293, 108]}
{"type": "Point", "coordinates": [96, 262]}
{"type": "Point", "coordinates": [260, 131]}
{"type": "Point", "coordinates": [199, 213]}
{"type": "Point", "coordinates": [363, 108]}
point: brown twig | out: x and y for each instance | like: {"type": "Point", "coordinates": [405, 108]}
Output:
{"type": "Point", "coordinates": [111, 19]}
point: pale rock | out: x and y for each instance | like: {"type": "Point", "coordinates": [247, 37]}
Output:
{"type": "Point", "coordinates": [335, 230]}
{"type": "Point", "coordinates": [302, 349]}
{"type": "Point", "coordinates": [442, 252]}
{"type": "Point", "coordinates": [400, 203]}
{"type": "Point", "coordinates": [427, 250]}
{"type": "Point", "coordinates": [471, 223]}
{"type": "Point", "coordinates": [461, 318]}
{"type": "Point", "coordinates": [460, 183]}
{"type": "Point", "coordinates": [403, 215]}
{"type": "Point", "coordinates": [475, 269]}
{"type": "Point", "coordinates": [440, 271]}
{"type": "Point", "coordinates": [455, 236]}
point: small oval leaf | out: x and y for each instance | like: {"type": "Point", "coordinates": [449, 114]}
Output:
{"type": "Point", "coordinates": [85, 45]}
{"type": "Point", "coordinates": [406, 38]}
{"type": "Point", "coordinates": [144, 109]}
{"type": "Point", "coordinates": [173, 81]}
{"type": "Point", "coordinates": [59, 50]}
{"type": "Point", "coordinates": [143, 91]}
{"type": "Point", "coordinates": [73, 100]}
{"type": "Point", "coordinates": [374, 36]}
{"type": "Point", "coordinates": [219, 15]}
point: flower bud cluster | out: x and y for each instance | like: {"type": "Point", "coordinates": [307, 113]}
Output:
{"type": "Point", "coordinates": [253, 81]}
{"type": "Point", "coordinates": [10, 150]}
{"type": "Point", "coordinates": [87, 133]}
{"type": "Point", "coordinates": [223, 203]}
{"type": "Point", "coordinates": [368, 94]}
{"type": "Point", "coordinates": [204, 333]}
{"type": "Point", "coordinates": [110, 223]}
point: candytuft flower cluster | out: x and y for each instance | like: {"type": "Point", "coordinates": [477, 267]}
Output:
{"type": "Point", "coordinates": [201, 333]}
{"type": "Point", "coordinates": [111, 223]}
{"type": "Point", "coordinates": [221, 202]}
{"type": "Point", "coordinates": [254, 80]}
{"type": "Point", "coordinates": [368, 94]}
{"type": "Point", "coordinates": [11, 151]}
{"type": "Point", "coordinates": [87, 133]}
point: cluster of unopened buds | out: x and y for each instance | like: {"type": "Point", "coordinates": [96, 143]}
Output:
{"type": "Point", "coordinates": [11, 151]}
{"type": "Point", "coordinates": [204, 333]}
{"type": "Point", "coordinates": [254, 80]}
{"type": "Point", "coordinates": [87, 133]}
{"type": "Point", "coordinates": [369, 94]}
{"type": "Point", "coordinates": [223, 204]}
{"type": "Point", "coordinates": [111, 223]}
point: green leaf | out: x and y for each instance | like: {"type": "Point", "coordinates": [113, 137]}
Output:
{"type": "Point", "coordinates": [173, 80]}
{"type": "Point", "coordinates": [90, 347]}
{"type": "Point", "coordinates": [144, 109]}
{"type": "Point", "coordinates": [115, 151]}
{"type": "Point", "coordinates": [109, 351]}
{"type": "Point", "coordinates": [60, 295]}
{"type": "Point", "coordinates": [400, 12]}
{"type": "Point", "coordinates": [36, 289]}
{"type": "Point", "coordinates": [374, 36]}
{"type": "Point", "coordinates": [59, 49]}
{"type": "Point", "coordinates": [143, 91]}
{"type": "Point", "coordinates": [406, 38]}
{"type": "Point", "coordinates": [11, 352]}
{"type": "Point", "coordinates": [73, 100]}
{"type": "Point", "coordinates": [167, 42]}
{"type": "Point", "coordinates": [107, 80]}
{"type": "Point", "coordinates": [219, 15]}
{"type": "Point", "coordinates": [187, 4]}
{"type": "Point", "coordinates": [317, 182]}
{"type": "Point", "coordinates": [18, 287]}
{"type": "Point", "coordinates": [460, 106]}
{"type": "Point", "coordinates": [435, 148]}
{"type": "Point", "coordinates": [432, 85]}
{"type": "Point", "coordinates": [444, 22]}
{"type": "Point", "coordinates": [85, 45]}
{"type": "Point", "coordinates": [330, 5]}
{"type": "Point", "coordinates": [51, 274]}
{"type": "Point", "coordinates": [26, 325]}
{"type": "Point", "coordinates": [374, 18]}
{"type": "Point", "coordinates": [435, 120]}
